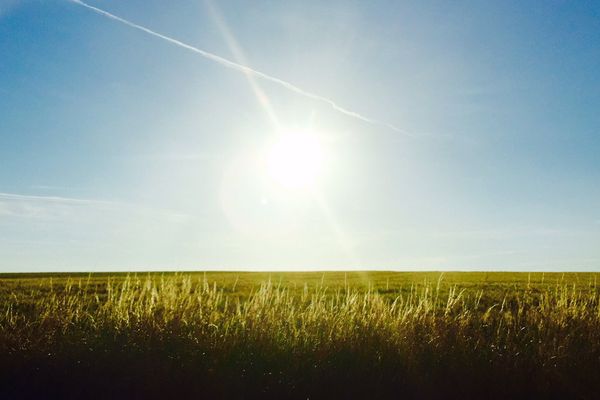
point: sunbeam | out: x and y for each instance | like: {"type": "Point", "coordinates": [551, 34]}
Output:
{"type": "Point", "coordinates": [245, 69]}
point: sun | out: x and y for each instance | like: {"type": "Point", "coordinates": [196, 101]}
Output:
{"type": "Point", "coordinates": [295, 160]}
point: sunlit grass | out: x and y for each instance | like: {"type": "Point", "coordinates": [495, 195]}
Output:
{"type": "Point", "coordinates": [425, 329]}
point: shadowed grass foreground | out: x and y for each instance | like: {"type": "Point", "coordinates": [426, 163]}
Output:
{"type": "Point", "coordinates": [179, 335]}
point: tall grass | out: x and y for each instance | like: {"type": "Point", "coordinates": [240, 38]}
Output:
{"type": "Point", "coordinates": [538, 341]}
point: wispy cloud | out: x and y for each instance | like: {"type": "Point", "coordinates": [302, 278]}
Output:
{"type": "Point", "coordinates": [56, 207]}
{"type": "Point", "coordinates": [19, 205]}
{"type": "Point", "coordinates": [56, 199]}
{"type": "Point", "coordinates": [51, 232]}
{"type": "Point", "coordinates": [178, 157]}
{"type": "Point", "coordinates": [245, 69]}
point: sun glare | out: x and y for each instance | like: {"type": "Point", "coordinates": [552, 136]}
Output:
{"type": "Point", "coordinates": [295, 160]}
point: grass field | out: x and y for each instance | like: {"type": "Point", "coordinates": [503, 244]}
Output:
{"type": "Point", "coordinates": [300, 335]}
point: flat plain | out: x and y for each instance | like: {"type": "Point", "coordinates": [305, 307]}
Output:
{"type": "Point", "coordinates": [300, 335]}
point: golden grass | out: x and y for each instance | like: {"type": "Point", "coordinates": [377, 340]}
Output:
{"type": "Point", "coordinates": [427, 327]}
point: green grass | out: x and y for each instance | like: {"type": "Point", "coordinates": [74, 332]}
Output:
{"type": "Point", "coordinates": [300, 335]}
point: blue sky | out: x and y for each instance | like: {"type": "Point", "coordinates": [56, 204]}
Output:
{"type": "Point", "coordinates": [120, 150]}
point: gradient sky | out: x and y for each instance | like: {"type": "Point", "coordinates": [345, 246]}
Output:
{"type": "Point", "coordinates": [119, 150]}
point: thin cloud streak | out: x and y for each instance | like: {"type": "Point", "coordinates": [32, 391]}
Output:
{"type": "Point", "coordinates": [244, 69]}
{"type": "Point", "coordinates": [238, 54]}
{"type": "Point", "coordinates": [56, 199]}
{"type": "Point", "coordinates": [21, 205]}
{"type": "Point", "coordinates": [44, 207]}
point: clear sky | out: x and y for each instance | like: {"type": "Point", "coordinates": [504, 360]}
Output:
{"type": "Point", "coordinates": [121, 150]}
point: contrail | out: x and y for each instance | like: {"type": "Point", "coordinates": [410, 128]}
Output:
{"type": "Point", "coordinates": [243, 68]}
